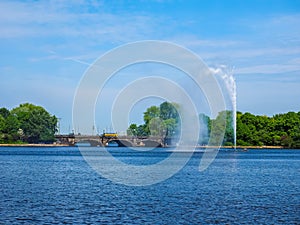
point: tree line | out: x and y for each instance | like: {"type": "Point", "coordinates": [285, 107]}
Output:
{"type": "Point", "coordinates": [27, 123]}
{"type": "Point", "coordinates": [278, 130]}
{"type": "Point", "coordinates": [257, 130]}
{"type": "Point", "coordinates": [158, 121]}
{"type": "Point", "coordinates": [251, 130]}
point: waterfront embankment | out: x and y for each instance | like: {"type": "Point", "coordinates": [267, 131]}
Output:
{"type": "Point", "coordinates": [34, 145]}
{"type": "Point", "coordinates": [198, 147]}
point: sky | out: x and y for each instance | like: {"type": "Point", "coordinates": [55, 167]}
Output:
{"type": "Point", "coordinates": [47, 46]}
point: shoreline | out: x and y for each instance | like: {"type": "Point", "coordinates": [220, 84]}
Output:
{"type": "Point", "coordinates": [35, 145]}
{"type": "Point", "coordinates": [197, 147]}
{"type": "Point", "coordinates": [243, 147]}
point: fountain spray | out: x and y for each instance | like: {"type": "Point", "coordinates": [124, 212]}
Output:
{"type": "Point", "coordinates": [227, 77]}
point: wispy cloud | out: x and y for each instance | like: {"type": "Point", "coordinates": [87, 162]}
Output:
{"type": "Point", "coordinates": [47, 45]}
{"type": "Point", "coordinates": [192, 41]}
{"type": "Point", "coordinates": [47, 19]}
{"type": "Point", "coordinates": [269, 69]}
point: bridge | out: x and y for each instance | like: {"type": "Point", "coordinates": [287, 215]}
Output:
{"type": "Point", "coordinates": [107, 140]}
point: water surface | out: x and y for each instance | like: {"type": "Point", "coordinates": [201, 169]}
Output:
{"type": "Point", "coordinates": [56, 186]}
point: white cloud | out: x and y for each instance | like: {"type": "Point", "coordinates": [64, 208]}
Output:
{"type": "Point", "coordinates": [269, 69]}
{"type": "Point", "coordinates": [54, 38]}
{"type": "Point", "coordinates": [191, 41]}
{"type": "Point", "coordinates": [46, 19]}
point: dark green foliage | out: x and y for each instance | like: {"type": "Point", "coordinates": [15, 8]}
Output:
{"type": "Point", "coordinates": [169, 111]}
{"type": "Point", "coordinates": [255, 130]}
{"type": "Point", "coordinates": [151, 113]}
{"type": "Point", "coordinates": [132, 130]}
{"type": "Point", "coordinates": [252, 130]}
{"type": "Point", "coordinates": [159, 121]}
{"type": "Point", "coordinates": [169, 115]}
{"type": "Point", "coordinates": [217, 129]}
{"type": "Point", "coordinates": [27, 123]}
{"type": "Point", "coordinates": [142, 131]}
{"type": "Point", "coordinates": [205, 126]}
{"type": "Point", "coordinates": [4, 112]}
{"type": "Point", "coordinates": [280, 130]}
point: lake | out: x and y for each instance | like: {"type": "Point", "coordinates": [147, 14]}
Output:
{"type": "Point", "coordinates": [57, 186]}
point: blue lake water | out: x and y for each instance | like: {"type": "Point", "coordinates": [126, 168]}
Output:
{"type": "Point", "coordinates": [56, 186]}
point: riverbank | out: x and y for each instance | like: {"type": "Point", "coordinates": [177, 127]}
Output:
{"type": "Point", "coordinates": [246, 147]}
{"type": "Point", "coordinates": [34, 145]}
{"type": "Point", "coordinates": [198, 147]}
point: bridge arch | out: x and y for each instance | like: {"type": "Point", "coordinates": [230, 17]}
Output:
{"type": "Point", "coordinates": [121, 143]}
{"type": "Point", "coordinates": [93, 143]}
{"type": "Point", "coordinates": [152, 143]}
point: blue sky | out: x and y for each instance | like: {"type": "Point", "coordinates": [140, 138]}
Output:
{"type": "Point", "coordinates": [46, 46]}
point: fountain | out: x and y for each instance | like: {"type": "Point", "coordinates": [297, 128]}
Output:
{"type": "Point", "coordinates": [231, 87]}
{"type": "Point", "coordinates": [226, 75]}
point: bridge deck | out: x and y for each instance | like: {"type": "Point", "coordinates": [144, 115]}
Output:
{"type": "Point", "coordinates": [100, 140]}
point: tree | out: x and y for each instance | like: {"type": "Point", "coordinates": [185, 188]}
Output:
{"type": "Point", "coordinates": [205, 127]}
{"type": "Point", "coordinates": [169, 110]}
{"type": "Point", "coordinates": [141, 131]}
{"type": "Point", "coordinates": [218, 127]}
{"type": "Point", "coordinates": [157, 127]}
{"type": "Point", "coordinates": [36, 123]}
{"type": "Point", "coordinates": [4, 112]}
{"type": "Point", "coordinates": [281, 129]}
{"type": "Point", "coordinates": [169, 114]}
{"type": "Point", "coordinates": [132, 130]}
{"type": "Point", "coordinates": [2, 126]}
{"type": "Point", "coordinates": [11, 127]}
{"type": "Point", "coordinates": [162, 120]}
{"type": "Point", "coordinates": [159, 121]}
{"type": "Point", "coordinates": [170, 126]}
{"type": "Point", "coordinates": [229, 130]}
{"type": "Point", "coordinates": [255, 130]}
{"type": "Point", "coordinates": [246, 129]}
{"type": "Point", "coordinates": [152, 112]}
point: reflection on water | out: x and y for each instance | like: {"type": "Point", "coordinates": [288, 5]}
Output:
{"type": "Point", "coordinates": [55, 185]}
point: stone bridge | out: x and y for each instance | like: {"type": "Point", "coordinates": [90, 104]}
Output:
{"type": "Point", "coordinates": [102, 140]}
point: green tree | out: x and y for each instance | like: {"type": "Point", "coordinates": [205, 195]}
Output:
{"type": "Point", "coordinates": [287, 126]}
{"type": "Point", "coordinates": [132, 130]}
{"type": "Point", "coordinates": [157, 127]}
{"type": "Point", "coordinates": [218, 127]}
{"type": "Point", "coordinates": [2, 127]}
{"type": "Point", "coordinates": [159, 121]}
{"type": "Point", "coordinates": [11, 127]}
{"type": "Point", "coordinates": [2, 124]}
{"type": "Point", "coordinates": [205, 127]}
{"type": "Point", "coordinates": [169, 114]}
{"type": "Point", "coordinates": [281, 129]}
{"type": "Point", "coordinates": [242, 130]}
{"type": "Point", "coordinates": [151, 112]}
{"type": "Point", "coordinates": [141, 131]}
{"type": "Point", "coordinates": [4, 112]}
{"type": "Point", "coordinates": [229, 130]}
{"type": "Point", "coordinates": [36, 123]}
{"type": "Point", "coordinates": [171, 127]}
{"type": "Point", "coordinates": [246, 129]}
{"type": "Point", "coordinates": [255, 130]}
{"type": "Point", "coordinates": [169, 110]}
